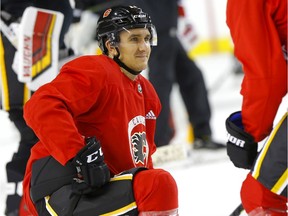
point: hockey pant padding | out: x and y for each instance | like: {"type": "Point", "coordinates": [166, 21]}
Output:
{"type": "Point", "coordinates": [254, 195]}
{"type": "Point", "coordinates": [48, 175]}
{"type": "Point", "coordinates": [155, 190]}
{"type": "Point", "coordinates": [114, 198]}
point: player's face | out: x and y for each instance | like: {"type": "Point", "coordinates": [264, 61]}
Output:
{"type": "Point", "coordinates": [135, 48]}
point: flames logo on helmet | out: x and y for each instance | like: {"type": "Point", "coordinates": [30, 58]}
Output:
{"type": "Point", "coordinates": [107, 12]}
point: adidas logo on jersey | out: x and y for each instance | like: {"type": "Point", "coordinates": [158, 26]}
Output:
{"type": "Point", "coordinates": [150, 115]}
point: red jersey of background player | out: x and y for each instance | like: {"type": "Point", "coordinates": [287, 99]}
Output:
{"type": "Point", "coordinates": [103, 102]}
{"type": "Point", "coordinates": [258, 47]}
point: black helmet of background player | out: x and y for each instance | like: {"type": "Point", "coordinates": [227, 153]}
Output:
{"type": "Point", "coordinates": [116, 19]}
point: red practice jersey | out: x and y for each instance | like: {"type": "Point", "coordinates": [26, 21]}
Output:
{"type": "Point", "coordinates": [92, 97]}
{"type": "Point", "coordinates": [259, 31]}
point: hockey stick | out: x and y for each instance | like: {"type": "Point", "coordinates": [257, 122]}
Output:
{"type": "Point", "coordinates": [237, 211]}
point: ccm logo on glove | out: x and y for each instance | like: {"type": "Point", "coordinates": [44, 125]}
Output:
{"type": "Point", "coordinates": [92, 171]}
{"type": "Point", "coordinates": [94, 156]}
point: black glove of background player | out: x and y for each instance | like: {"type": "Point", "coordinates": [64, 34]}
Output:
{"type": "Point", "coordinates": [241, 147]}
{"type": "Point", "coordinates": [92, 171]}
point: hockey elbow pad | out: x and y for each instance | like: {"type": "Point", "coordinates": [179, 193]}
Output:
{"type": "Point", "coordinates": [92, 171]}
{"type": "Point", "coordinates": [241, 147]}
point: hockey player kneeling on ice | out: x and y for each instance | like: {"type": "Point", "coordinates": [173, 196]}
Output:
{"type": "Point", "coordinates": [95, 139]}
{"type": "Point", "coordinates": [92, 192]}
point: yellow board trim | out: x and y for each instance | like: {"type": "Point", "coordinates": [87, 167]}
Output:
{"type": "Point", "coordinates": [209, 46]}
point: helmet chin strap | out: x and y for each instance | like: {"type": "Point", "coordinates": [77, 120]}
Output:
{"type": "Point", "coordinates": [121, 64]}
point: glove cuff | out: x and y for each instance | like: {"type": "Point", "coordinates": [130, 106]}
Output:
{"type": "Point", "coordinates": [240, 154]}
{"type": "Point", "coordinates": [238, 136]}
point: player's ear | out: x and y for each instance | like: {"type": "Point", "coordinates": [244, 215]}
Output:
{"type": "Point", "coordinates": [111, 49]}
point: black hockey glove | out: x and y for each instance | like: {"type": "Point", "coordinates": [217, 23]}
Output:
{"type": "Point", "coordinates": [241, 147]}
{"type": "Point", "coordinates": [92, 171]}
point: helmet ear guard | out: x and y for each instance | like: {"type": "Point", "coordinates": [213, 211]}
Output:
{"type": "Point", "coordinates": [113, 40]}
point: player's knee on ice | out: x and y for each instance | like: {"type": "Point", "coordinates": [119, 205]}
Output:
{"type": "Point", "coordinates": [152, 186]}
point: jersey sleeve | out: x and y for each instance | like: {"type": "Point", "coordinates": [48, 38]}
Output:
{"type": "Point", "coordinates": [259, 30]}
{"type": "Point", "coordinates": [51, 110]}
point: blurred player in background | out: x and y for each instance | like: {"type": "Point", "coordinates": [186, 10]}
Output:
{"type": "Point", "coordinates": [170, 64]}
{"type": "Point", "coordinates": [259, 32]}
{"type": "Point", "coordinates": [14, 93]}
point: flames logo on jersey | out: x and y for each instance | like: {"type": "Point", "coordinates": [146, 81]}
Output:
{"type": "Point", "coordinates": [139, 148]}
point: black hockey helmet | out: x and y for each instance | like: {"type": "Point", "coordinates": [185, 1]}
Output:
{"type": "Point", "coordinates": [119, 18]}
